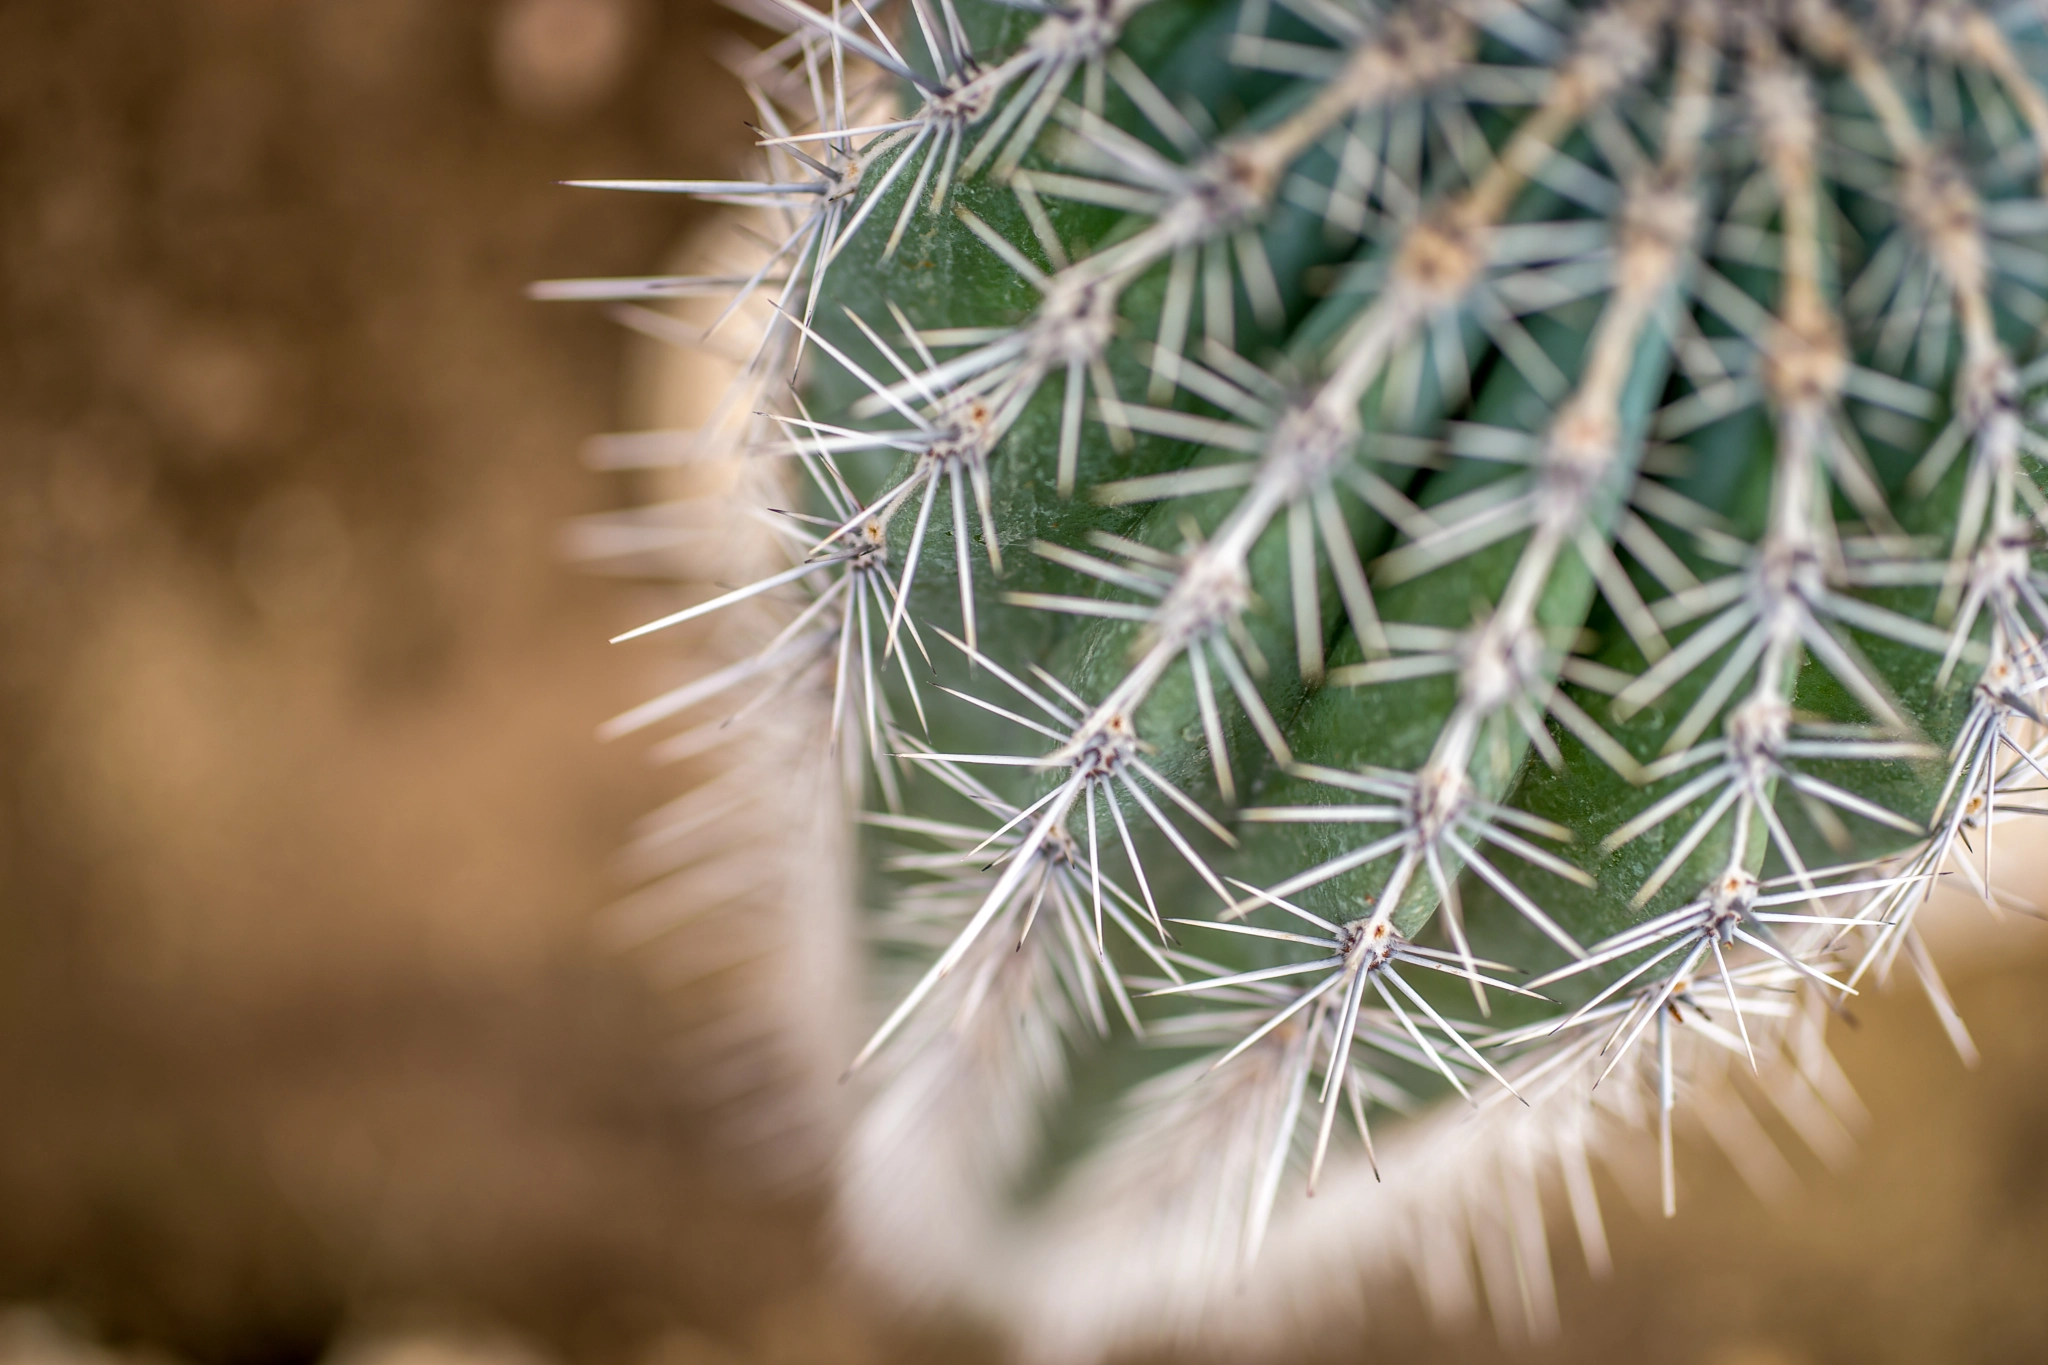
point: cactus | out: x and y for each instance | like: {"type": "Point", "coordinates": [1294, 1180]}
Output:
{"type": "Point", "coordinates": [1390, 592]}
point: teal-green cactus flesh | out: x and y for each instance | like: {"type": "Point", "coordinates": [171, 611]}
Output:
{"type": "Point", "coordinates": [1412, 549]}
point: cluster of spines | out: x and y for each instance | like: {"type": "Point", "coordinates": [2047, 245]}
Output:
{"type": "Point", "coordinates": [1642, 241]}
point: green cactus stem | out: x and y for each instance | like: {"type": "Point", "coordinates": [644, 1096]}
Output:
{"type": "Point", "coordinates": [1392, 592]}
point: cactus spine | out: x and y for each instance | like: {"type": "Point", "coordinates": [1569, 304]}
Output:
{"type": "Point", "coordinates": [1464, 568]}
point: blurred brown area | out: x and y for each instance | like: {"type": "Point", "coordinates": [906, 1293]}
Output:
{"type": "Point", "coordinates": [302, 1028]}
{"type": "Point", "coordinates": [303, 823]}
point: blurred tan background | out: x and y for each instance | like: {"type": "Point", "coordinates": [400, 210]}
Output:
{"type": "Point", "coordinates": [307, 1049]}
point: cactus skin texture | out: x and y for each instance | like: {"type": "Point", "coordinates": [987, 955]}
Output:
{"type": "Point", "coordinates": [1399, 594]}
